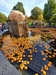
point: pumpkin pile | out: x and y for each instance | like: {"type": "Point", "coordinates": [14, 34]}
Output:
{"type": "Point", "coordinates": [16, 15]}
{"type": "Point", "coordinates": [14, 49]}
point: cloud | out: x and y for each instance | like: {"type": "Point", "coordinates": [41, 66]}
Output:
{"type": "Point", "coordinates": [33, 1]}
{"type": "Point", "coordinates": [7, 5]}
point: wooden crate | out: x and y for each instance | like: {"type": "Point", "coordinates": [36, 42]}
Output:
{"type": "Point", "coordinates": [18, 28]}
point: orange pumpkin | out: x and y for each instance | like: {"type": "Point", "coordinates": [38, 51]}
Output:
{"type": "Point", "coordinates": [36, 73]}
{"type": "Point", "coordinates": [45, 67]}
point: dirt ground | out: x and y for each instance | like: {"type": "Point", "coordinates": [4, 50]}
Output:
{"type": "Point", "coordinates": [52, 31]}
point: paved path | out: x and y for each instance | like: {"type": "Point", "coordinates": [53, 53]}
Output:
{"type": "Point", "coordinates": [6, 68]}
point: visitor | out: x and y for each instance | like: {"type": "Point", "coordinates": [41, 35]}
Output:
{"type": "Point", "coordinates": [49, 23]}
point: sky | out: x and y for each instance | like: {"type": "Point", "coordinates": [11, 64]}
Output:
{"type": "Point", "coordinates": [7, 5]}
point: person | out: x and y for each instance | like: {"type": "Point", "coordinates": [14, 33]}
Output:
{"type": "Point", "coordinates": [29, 33]}
{"type": "Point", "coordinates": [1, 27]}
{"type": "Point", "coordinates": [49, 23]}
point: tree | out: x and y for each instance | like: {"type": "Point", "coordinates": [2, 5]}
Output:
{"type": "Point", "coordinates": [40, 17]}
{"type": "Point", "coordinates": [53, 19]}
{"type": "Point", "coordinates": [19, 6]}
{"type": "Point", "coordinates": [49, 10]}
{"type": "Point", "coordinates": [35, 13]}
{"type": "Point", "coordinates": [3, 18]}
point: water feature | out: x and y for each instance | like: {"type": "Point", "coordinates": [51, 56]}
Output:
{"type": "Point", "coordinates": [34, 65]}
{"type": "Point", "coordinates": [53, 43]}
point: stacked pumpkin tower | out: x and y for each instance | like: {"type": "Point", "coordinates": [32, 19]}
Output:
{"type": "Point", "coordinates": [17, 24]}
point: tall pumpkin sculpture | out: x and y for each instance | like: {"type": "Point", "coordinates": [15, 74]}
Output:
{"type": "Point", "coordinates": [17, 24]}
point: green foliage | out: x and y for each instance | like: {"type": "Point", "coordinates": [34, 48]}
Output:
{"type": "Point", "coordinates": [49, 10]}
{"type": "Point", "coordinates": [35, 13]}
{"type": "Point", "coordinates": [19, 6]}
{"type": "Point", "coordinates": [3, 18]}
{"type": "Point", "coordinates": [53, 19]}
{"type": "Point", "coordinates": [30, 23]}
{"type": "Point", "coordinates": [40, 17]}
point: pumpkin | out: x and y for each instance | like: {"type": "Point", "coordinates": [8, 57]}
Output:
{"type": "Point", "coordinates": [46, 67]}
{"type": "Point", "coordinates": [36, 73]}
